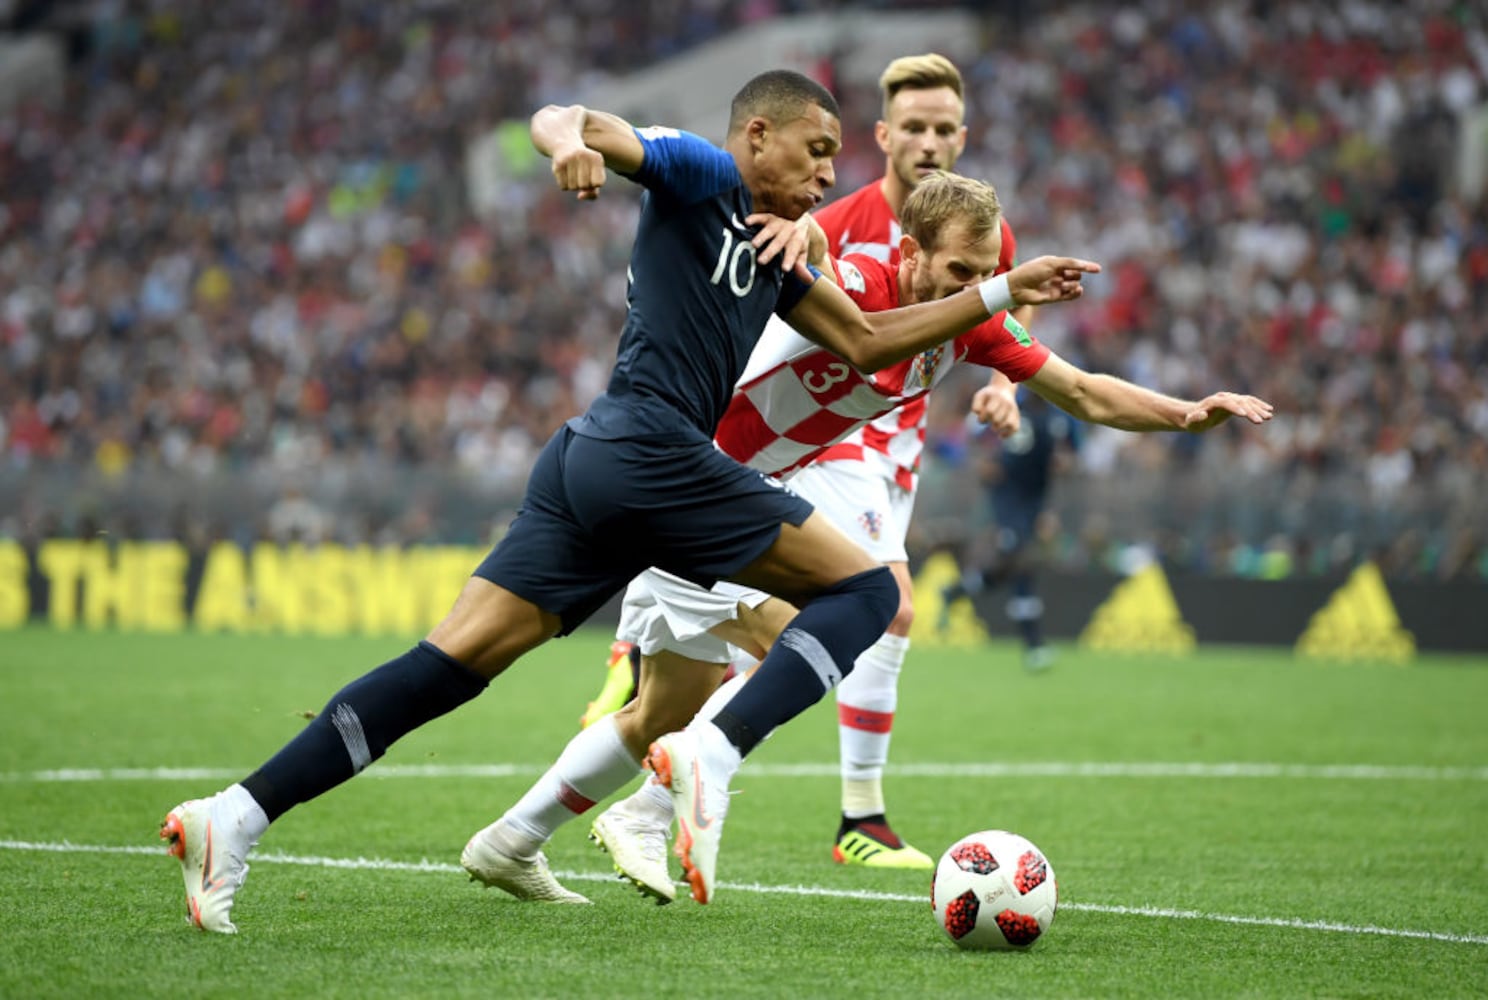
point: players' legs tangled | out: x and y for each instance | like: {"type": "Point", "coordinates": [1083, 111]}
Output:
{"type": "Point", "coordinates": [677, 676]}
{"type": "Point", "coordinates": [846, 602]}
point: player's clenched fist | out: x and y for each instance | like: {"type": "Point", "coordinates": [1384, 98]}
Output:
{"type": "Point", "coordinates": [579, 169]}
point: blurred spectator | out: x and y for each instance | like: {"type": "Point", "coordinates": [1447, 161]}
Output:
{"type": "Point", "coordinates": [242, 243]}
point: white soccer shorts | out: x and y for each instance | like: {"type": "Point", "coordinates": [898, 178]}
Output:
{"type": "Point", "coordinates": [666, 612]}
{"type": "Point", "coordinates": [871, 510]}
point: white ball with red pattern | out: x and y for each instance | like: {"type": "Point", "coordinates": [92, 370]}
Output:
{"type": "Point", "coordinates": [993, 890]}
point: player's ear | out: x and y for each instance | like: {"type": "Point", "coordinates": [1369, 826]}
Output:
{"type": "Point", "coordinates": [881, 135]}
{"type": "Point", "coordinates": [758, 131]}
{"type": "Point", "coordinates": [909, 251]}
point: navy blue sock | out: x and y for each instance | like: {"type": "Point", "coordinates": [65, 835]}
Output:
{"type": "Point", "coordinates": [811, 656]}
{"type": "Point", "coordinates": [359, 723]}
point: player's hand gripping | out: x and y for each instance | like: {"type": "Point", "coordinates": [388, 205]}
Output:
{"type": "Point", "coordinates": [1221, 406]}
{"type": "Point", "coordinates": [1049, 279]}
{"type": "Point", "coordinates": [797, 243]}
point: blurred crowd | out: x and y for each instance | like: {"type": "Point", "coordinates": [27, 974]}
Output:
{"type": "Point", "coordinates": [242, 239]}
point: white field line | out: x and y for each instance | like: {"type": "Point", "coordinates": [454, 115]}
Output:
{"type": "Point", "coordinates": [1154, 912]}
{"type": "Point", "coordinates": [992, 769]}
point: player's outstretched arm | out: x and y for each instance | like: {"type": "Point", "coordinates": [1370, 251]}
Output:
{"type": "Point", "coordinates": [1114, 402]}
{"type": "Point", "coordinates": [870, 341]}
{"type": "Point", "coordinates": [581, 143]}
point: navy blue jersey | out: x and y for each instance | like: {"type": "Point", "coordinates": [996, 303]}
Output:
{"type": "Point", "coordinates": [697, 301]}
{"type": "Point", "coordinates": [1027, 456]}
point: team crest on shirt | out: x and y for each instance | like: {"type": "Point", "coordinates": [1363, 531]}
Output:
{"type": "Point", "coordinates": [922, 370]}
{"type": "Point", "coordinates": [872, 522]}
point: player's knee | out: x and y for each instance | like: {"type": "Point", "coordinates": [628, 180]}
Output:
{"type": "Point", "coordinates": [877, 593]}
{"type": "Point", "coordinates": [903, 618]}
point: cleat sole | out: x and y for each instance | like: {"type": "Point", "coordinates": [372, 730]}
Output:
{"type": "Point", "coordinates": [683, 850]}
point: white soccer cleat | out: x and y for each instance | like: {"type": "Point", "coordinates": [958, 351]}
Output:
{"type": "Point", "coordinates": [213, 852]}
{"type": "Point", "coordinates": [528, 879]}
{"type": "Point", "coordinates": [638, 846]}
{"type": "Point", "coordinates": [700, 802]}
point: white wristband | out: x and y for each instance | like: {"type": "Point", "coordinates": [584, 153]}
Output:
{"type": "Point", "coordinates": [995, 294]}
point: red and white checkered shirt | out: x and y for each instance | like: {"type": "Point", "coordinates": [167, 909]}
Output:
{"type": "Point", "coordinates": [797, 400]}
{"type": "Point", "coordinates": [863, 223]}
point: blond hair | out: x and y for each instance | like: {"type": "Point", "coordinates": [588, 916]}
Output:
{"type": "Point", "coordinates": [942, 199]}
{"type": "Point", "coordinates": [924, 72]}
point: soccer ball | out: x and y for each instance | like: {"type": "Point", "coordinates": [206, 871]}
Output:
{"type": "Point", "coordinates": [993, 890]}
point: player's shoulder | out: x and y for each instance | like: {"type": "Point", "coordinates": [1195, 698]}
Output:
{"type": "Point", "coordinates": [684, 164]}
{"type": "Point", "coordinates": [862, 276]}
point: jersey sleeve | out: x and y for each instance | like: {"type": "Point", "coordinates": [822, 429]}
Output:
{"type": "Point", "coordinates": [1003, 343]}
{"type": "Point", "coordinates": [682, 165]}
{"type": "Point", "coordinates": [833, 220]}
{"type": "Point", "coordinates": [1008, 259]}
{"type": "Point", "coordinates": [868, 282]}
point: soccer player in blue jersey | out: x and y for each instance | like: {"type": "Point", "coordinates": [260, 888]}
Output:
{"type": "Point", "coordinates": [636, 481]}
{"type": "Point", "coordinates": [1018, 479]}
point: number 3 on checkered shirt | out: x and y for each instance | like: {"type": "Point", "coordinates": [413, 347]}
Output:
{"type": "Point", "coordinates": [817, 383]}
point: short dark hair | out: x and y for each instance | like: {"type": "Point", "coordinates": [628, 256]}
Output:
{"type": "Point", "coordinates": [779, 94]}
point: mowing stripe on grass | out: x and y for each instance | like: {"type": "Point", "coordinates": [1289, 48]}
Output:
{"type": "Point", "coordinates": [1159, 913]}
{"type": "Point", "coordinates": [990, 769]}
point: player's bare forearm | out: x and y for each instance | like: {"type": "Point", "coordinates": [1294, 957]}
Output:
{"type": "Point", "coordinates": [876, 340]}
{"type": "Point", "coordinates": [582, 143]}
{"type": "Point", "coordinates": [871, 341]}
{"type": "Point", "coordinates": [1114, 402]}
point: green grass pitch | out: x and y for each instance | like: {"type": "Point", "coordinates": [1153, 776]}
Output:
{"type": "Point", "coordinates": [1231, 823]}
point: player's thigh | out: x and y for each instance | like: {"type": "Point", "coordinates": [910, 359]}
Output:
{"type": "Point", "coordinates": [805, 560]}
{"type": "Point", "coordinates": [754, 629]}
{"type": "Point", "coordinates": [489, 627]}
{"type": "Point", "coordinates": [548, 557]}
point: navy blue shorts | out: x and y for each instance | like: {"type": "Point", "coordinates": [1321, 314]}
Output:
{"type": "Point", "coordinates": [1017, 518]}
{"type": "Point", "coordinates": [598, 512]}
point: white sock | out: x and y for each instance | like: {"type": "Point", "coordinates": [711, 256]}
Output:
{"type": "Point", "coordinates": [866, 700]}
{"type": "Point", "coordinates": [593, 766]}
{"type": "Point", "coordinates": [251, 821]}
{"type": "Point", "coordinates": [711, 741]}
{"type": "Point", "coordinates": [716, 749]}
{"type": "Point", "coordinates": [719, 698]}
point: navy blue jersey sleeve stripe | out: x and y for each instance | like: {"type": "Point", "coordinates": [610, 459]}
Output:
{"type": "Point", "coordinates": [683, 166]}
